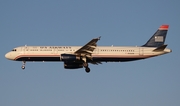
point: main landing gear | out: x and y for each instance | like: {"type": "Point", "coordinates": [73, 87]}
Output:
{"type": "Point", "coordinates": [87, 69]}
{"type": "Point", "coordinates": [23, 65]}
{"type": "Point", "coordinates": [85, 64]}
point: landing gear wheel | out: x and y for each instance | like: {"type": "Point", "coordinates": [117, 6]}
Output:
{"type": "Point", "coordinates": [87, 70]}
{"type": "Point", "coordinates": [23, 67]}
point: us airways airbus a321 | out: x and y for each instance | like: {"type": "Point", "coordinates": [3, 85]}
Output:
{"type": "Point", "coordinates": [80, 56]}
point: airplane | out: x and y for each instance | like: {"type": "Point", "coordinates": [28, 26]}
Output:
{"type": "Point", "coordinates": [75, 57]}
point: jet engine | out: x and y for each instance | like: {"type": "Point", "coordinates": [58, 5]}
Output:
{"type": "Point", "coordinates": [72, 65]}
{"type": "Point", "coordinates": [69, 57]}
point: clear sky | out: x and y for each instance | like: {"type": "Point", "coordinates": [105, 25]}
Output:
{"type": "Point", "coordinates": [151, 82]}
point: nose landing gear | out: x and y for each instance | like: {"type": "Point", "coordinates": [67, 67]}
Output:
{"type": "Point", "coordinates": [23, 65]}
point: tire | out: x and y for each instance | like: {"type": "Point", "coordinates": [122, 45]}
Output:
{"type": "Point", "coordinates": [87, 70]}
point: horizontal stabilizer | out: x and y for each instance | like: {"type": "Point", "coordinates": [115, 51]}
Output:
{"type": "Point", "coordinates": [160, 48]}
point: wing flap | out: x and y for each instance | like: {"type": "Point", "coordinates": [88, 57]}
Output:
{"type": "Point", "coordinates": [88, 48]}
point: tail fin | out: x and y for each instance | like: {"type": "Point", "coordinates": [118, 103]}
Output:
{"type": "Point", "coordinates": [158, 38]}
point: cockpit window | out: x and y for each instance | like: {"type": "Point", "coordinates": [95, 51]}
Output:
{"type": "Point", "coordinates": [13, 50]}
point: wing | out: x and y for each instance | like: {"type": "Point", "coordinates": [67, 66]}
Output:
{"type": "Point", "coordinates": [88, 49]}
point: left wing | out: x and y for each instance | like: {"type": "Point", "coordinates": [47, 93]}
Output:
{"type": "Point", "coordinates": [87, 49]}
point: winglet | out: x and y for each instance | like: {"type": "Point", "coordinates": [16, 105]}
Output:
{"type": "Point", "coordinates": [99, 37]}
{"type": "Point", "coordinates": [161, 48]}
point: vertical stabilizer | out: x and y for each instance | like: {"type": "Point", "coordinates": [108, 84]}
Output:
{"type": "Point", "coordinates": [158, 38]}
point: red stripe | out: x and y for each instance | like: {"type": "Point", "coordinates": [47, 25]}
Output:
{"type": "Point", "coordinates": [164, 27]}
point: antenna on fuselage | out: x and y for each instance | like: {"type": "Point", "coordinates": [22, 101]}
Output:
{"type": "Point", "coordinates": [25, 46]}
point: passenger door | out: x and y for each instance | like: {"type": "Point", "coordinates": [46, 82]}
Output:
{"type": "Point", "coordinates": [141, 51]}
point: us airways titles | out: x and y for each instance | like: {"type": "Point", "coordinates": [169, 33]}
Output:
{"type": "Point", "coordinates": [55, 47]}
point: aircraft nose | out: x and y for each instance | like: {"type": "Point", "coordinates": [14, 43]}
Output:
{"type": "Point", "coordinates": [8, 55]}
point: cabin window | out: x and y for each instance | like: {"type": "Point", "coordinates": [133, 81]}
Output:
{"type": "Point", "coordinates": [13, 50]}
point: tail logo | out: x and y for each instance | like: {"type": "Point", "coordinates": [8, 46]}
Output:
{"type": "Point", "coordinates": [159, 38]}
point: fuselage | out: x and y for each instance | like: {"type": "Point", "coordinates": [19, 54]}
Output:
{"type": "Point", "coordinates": [100, 54]}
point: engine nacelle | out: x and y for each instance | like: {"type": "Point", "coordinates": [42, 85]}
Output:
{"type": "Point", "coordinates": [72, 65]}
{"type": "Point", "coordinates": [69, 57]}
